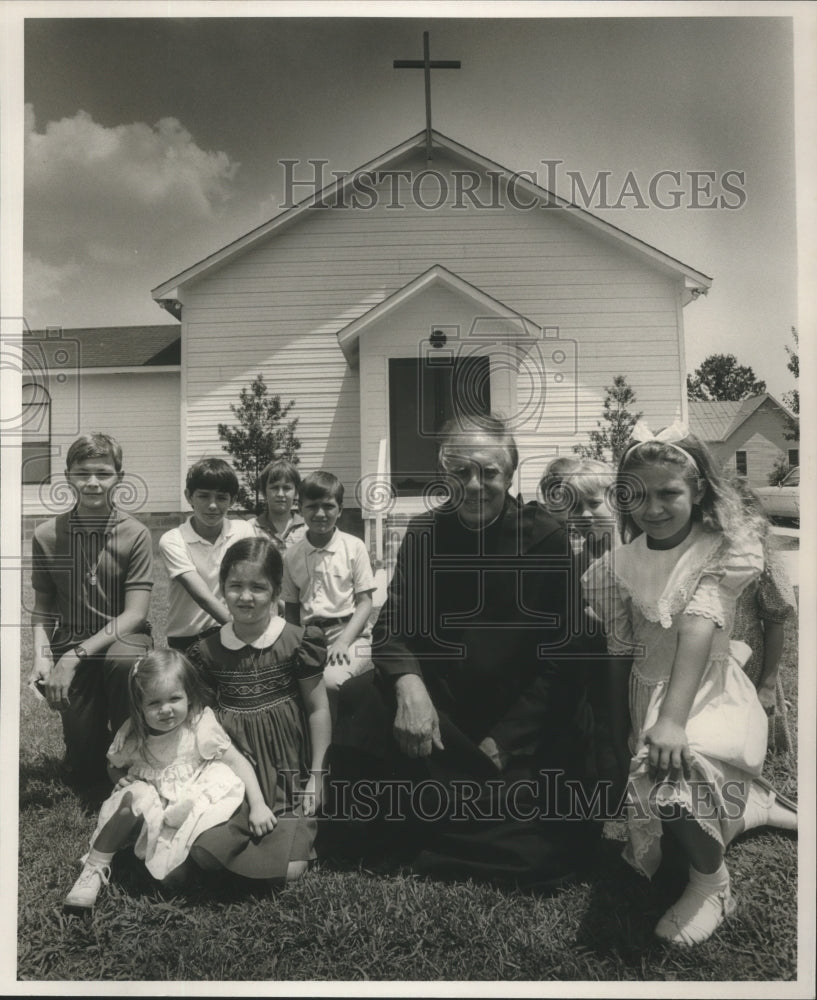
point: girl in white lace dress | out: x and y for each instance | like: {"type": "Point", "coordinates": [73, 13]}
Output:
{"type": "Point", "coordinates": [697, 730]}
{"type": "Point", "coordinates": [177, 775]}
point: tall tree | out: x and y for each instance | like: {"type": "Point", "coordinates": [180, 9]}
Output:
{"type": "Point", "coordinates": [792, 399]}
{"type": "Point", "coordinates": [262, 435]}
{"type": "Point", "coordinates": [721, 377]}
{"type": "Point", "coordinates": [609, 441]}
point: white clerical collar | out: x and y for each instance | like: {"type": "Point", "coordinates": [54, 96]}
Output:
{"type": "Point", "coordinates": [267, 637]}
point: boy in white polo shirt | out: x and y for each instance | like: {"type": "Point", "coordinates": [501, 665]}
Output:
{"type": "Point", "coordinates": [193, 552]}
{"type": "Point", "coordinates": [328, 581]}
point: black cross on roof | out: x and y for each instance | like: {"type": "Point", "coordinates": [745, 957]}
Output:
{"type": "Point", "coordinates": [426, 64]}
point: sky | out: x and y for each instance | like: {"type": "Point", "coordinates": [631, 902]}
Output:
{"type": "Point", "coordinates": [152, 142]}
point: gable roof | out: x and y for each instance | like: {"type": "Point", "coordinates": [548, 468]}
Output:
{"type": "Point", "coordinates": [718, 419]}
{"type": "Point", "coordinates": [519, 327]}
{"type": "Point", "coordinates": [121, 346]}
{"type": "Point", "coordinates": [167, 293]}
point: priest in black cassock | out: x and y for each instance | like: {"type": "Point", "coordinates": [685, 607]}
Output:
{"type": "Point", "coordinates": [468, 748]}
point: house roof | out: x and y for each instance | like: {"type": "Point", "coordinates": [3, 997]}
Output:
{"type": "Point", "coordinates": [119, 346]}
{"type": "Point", "coordinates": [167, 293]}
{"type": "Point", "coordinates": [516, 326]}
{"type": "Point", "coordinates": [718, 419]}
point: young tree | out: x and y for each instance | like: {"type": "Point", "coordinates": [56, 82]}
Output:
{"type": "Point", "coordinates": [721, 377]}
{"type": "Point", "coordinates": [609, 441]}
{"type": "Point", "coordinates": [780, 470]}
{"type": "Point", "coordinates": [262, 435]}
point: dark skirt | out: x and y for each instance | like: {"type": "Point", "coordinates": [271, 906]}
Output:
{"type": "Point", "coordinates": [232, 846]}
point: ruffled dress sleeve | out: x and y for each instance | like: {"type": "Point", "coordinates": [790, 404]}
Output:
{"type": "Point", "coordinates": [202, 661]}
{"type": "Point", "coordinates": [607, 600]}
{"type": "Point", "coordinates": [732, 568]}
{"type": "Point", "coordinates": [124, 750]}
{"type": "Point", "coordinates": [211, 740]}
{"type": "Point", "coordinates": [310, 657]}
{"type": "Point", "coordinates": [775, 594]}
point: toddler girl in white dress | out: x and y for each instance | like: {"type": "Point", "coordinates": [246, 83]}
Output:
{"type": "Point", "coordinates": [176, 772]}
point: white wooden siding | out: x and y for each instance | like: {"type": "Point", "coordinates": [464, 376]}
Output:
{"type": "Point", "coordinates": [141, 412]}
{"type": "Point", "coordinates": [278, 309]}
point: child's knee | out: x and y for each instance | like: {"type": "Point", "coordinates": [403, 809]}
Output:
{"type": "Point", "coordinates": [125, 651]}
{"type": "Point", "coordinates": [296, 869]}
{"type": "Point", "coordinates": [334, 676]}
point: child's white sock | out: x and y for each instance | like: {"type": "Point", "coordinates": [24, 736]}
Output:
{"type": "Point", "coordinates": [758, 803]}
{"type": "Point", "coordinates": [98, 859]}
{"type": "Point", "coordinates": [704, 905]}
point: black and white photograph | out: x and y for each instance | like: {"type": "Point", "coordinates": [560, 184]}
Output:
{"type": "Point", "coordinates": [452, 350]}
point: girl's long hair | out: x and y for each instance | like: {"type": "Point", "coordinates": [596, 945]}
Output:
{"type": "Point", "coordinates": [159, 663]}
{"type": "Point", "coordinates": [720, 508]}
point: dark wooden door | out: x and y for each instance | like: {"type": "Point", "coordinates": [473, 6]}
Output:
{"type": "Point", "coordinates": [423, 394]}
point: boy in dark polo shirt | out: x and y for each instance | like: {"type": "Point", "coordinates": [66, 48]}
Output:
{"type": "Point", "coordinates": [92, 577]}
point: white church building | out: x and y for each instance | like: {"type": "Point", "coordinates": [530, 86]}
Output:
{"type": "Point", "coordinates": [403, 293]}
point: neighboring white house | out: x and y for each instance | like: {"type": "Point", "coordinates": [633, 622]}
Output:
{"type": "Point", "coordinates": [376, 302]}
{"type": "Point", "coordinates": [121, 380]}
{"type": "Point", "coordinates": [748, 436]}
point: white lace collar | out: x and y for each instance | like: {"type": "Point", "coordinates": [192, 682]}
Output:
{"type": "Point", "coordinates": [685, 563]}
{"type": "Point", "coordinates": [267, 637]}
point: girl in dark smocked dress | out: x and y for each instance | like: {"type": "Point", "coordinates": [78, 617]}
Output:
{"type": "Point", "coordinates": [268, 679]}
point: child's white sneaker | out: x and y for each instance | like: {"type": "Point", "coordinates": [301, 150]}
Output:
{"type": "Point", "coordinates": [704, 905]}
{"type": "Point", "coordinates": [87, 887]}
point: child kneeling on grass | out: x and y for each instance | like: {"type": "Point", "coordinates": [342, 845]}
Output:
{"type": "Point", "coordinates": [177, 775]}
{"type": "Point", "coordinates": [328, 582]}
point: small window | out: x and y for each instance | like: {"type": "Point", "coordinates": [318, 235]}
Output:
{"type": "Point", "coordinates": [741, 466]}
{"type": "Point", "coordinates": [794, 457]}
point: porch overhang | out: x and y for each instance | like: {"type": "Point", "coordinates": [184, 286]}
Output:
{"type": "Point", "coordinates": [495, 320]}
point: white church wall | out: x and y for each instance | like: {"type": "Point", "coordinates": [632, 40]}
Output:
{"type": "Point", "coordinates": [278, 307]}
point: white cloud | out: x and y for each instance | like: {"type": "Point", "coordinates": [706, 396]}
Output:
{"type": "Point", "coordinates": [44, 285]}
{"type": "Point", "coordinates": [88, 185]}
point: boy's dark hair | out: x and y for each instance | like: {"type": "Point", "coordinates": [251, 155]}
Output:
{"type": "Point", "coordinates": [212, 474]}
{"type": "Point", "coordinates": [320, 484]}
{"type": "Point", "coordinates": [96, 445]}
{"type": "Point", "coordinates": [279, 470]}
{"type": "Point", "coordinates": [254, 550]}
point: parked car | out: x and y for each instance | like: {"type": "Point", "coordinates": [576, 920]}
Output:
{"type": "Point", "coordinates": [782, 502]}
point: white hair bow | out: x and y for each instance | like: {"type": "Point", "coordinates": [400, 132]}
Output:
{"type": "Point", "coordinates": [676, 431]}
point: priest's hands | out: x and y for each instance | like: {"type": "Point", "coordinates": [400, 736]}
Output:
{"type": "Point", "coordinates": [416, 724]}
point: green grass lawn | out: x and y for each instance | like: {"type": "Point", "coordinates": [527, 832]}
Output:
{"type": "Point", "coordinates": [343, 922]}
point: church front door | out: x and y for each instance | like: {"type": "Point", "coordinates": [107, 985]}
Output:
{"type": "Point", "coordinates": [424, 393]}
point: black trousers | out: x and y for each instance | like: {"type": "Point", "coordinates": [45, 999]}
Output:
{"type": "Point", "coordinates": [98, 705]}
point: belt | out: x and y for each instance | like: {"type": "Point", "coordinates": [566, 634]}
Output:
{"type": "Point", "coordinates": [326, 622]}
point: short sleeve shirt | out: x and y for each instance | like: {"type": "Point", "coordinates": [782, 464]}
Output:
{"type": "Point", "coordinates": [293, 533]}
{"type": "Point", "coordinates": [86, 568]}
{"type": "Point", "coordinates": [324, 581]}
{"type": "Point", "coordinates": [185, 551]}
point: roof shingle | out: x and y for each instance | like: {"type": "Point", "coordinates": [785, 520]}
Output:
{"type": "Point", "coordinates": [123, 346]}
